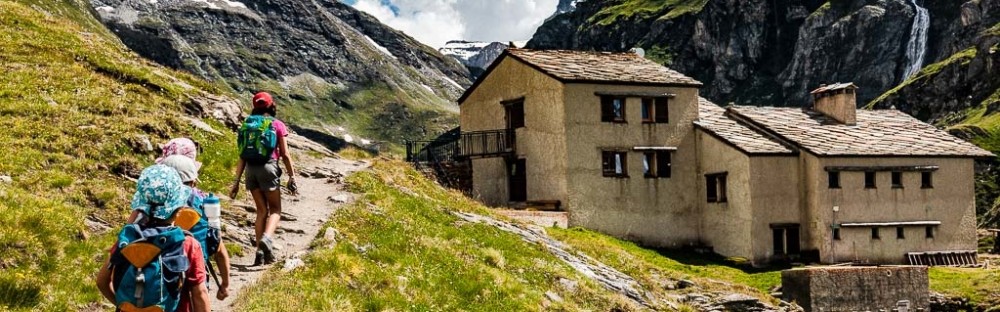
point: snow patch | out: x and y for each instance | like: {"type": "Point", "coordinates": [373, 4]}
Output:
{"type": "Point", "coordinates": [428, 88]}
{"type": "Point", "coordinates": [348, 138]}
{"type": "Point", "coordinates": [380, 47]}
{"type": "Point", "coordinates": [105, 9]}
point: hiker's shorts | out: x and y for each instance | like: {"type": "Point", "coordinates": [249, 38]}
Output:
{"type": "Point", "coordinates": [266, 177]}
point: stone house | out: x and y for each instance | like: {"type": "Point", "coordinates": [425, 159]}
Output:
{"type": "Point", "coordinates": [627, 147]}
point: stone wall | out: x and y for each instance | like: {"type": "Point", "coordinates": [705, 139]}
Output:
{"type": "Point", "coordinates": [857, 288]}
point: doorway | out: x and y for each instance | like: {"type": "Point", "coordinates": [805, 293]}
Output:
{"type": "Point", "coordinates": [786, 240]}
{"type": "Point", "coordinates": [517, 180]}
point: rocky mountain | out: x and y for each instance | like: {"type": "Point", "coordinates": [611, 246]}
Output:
{"type": "Point", "coordinates": [772, 52]}
{"type": "Point", "coordinates": [475, 55]}
{"type": "Point", "coordinates": [336, 65]}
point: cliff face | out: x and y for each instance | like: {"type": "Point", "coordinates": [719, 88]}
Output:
{"type": "Point", "coordinates": [766, 52]}
{"type": "Point", "coordinates": [336, 64]}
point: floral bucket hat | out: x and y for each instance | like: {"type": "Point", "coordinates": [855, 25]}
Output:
{"type": "Point", "coordinates": [180, 146]}
{"type": "Point", "coordinates": [160, 192]}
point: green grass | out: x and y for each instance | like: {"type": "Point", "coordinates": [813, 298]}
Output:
{"type": "Point", "coordinates": [632, 9]}
{"type": "Point", "coordinates": [961, 58]}
{"type": "Point", "coordinates": [399, 248]}
{"type": "Point", "coordinates": [651, 266]}
{"type": "Point", "coordinates": [978, 285]}
{"type": "Point", "coordinates": [75, 102]}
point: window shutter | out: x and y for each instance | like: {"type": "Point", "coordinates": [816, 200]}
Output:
{"type": "Point", "coordinates": [663, 164]}
{"type": "Point", "coordinates": [607, 109]}
{"type": "Point", "coordinates": [662, 113]}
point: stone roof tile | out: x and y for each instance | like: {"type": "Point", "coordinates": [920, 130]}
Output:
{"type": "Point", "coordinates": [601, 67]}
{"type": "Point", "coordinates": [712, 119]}
{"type": "Point", "coordinates": [877, 133]}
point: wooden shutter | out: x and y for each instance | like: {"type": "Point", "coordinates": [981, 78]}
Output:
{"type": "Point", "coordinates": [607, 109]}
{"type": "Point", "coordinates": [661, 110]}
{"type": "Point", "coordinates": [663, 164]}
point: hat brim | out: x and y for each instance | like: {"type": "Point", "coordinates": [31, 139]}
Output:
{"type": "Point", "coordinates": [178, 200]}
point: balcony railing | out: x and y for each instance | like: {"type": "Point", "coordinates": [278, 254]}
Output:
{"type": "Point", "coordinates": [476, 144]}
{"type": "Point", "coordinates": [490, 143]}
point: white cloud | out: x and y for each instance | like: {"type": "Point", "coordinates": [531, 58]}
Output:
{"type": "Point", "coordinates": [434, 22]}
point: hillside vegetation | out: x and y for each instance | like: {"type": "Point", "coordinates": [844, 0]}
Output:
{"type": "Point", "coordinates": [78, 111]}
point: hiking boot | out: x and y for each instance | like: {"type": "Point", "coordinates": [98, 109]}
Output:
{"type": "Point", "coordinates": [268, 247]}
{"type": "Point", "coordinates": [258, 259]}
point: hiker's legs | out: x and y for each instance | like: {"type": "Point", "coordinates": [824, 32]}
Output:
{"type": "Point", "coordinates": [274, 211]}
{"type": "Point", "coordinates": [262, 210]}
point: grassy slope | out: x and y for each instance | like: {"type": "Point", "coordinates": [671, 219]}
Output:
{"type": "Point", "coordinates": [629, 9]}
{"type": "Point", "coordinates": [417, 257]}
{"type": "Point", "coordinates": [74, 101]}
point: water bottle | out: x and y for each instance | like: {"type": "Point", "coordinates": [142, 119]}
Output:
{"type": "Point", "coordinates": [212, 211]}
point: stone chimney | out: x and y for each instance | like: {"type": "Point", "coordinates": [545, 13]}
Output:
{"type": "Point", "coordinates": [837, 101]}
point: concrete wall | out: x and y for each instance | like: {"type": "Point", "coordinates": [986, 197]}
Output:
{"type": "Point", "coordinates": [541, 142]}
{"type": "Point", "coordinates": [726, 227]}
{"type": "Point", "coordinates": [951, 201]}
{"type": "Point", "coordinates": [658, 212]}
{"type": "Point", "coordinates": [776, 194]}
{"type": "Point", "coordinates": [856, 288]}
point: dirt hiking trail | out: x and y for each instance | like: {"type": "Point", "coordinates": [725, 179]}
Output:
{"type": "Point", "coordinates": [321, 192]}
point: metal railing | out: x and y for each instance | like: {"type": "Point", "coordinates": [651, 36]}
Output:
{"type": "Point", "coordinates": [489, 143]}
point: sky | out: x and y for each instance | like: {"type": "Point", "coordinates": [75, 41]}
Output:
{"type": "Point", "coordinates": [434, 22]}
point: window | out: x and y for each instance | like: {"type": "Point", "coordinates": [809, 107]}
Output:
{"type": "Point", "coordinates": [715, 185]}
{"type": "Point", "coordinates": [875, 234]}
{"type": "Point", "coordinates": [897, 179]}
{"type": "Point", "coordinates": [654, 110]}
{"type": "Point", "coordinates": [515, 114]}
{"type": "Point", "coordinates": [647, 110]}
{"type": "Point", "coordinates": [900, 233]}
{"type": "Point", "coordinates": [925, 180]}
{"type": "Point", "coordinates": [834, 179]}
{"type": "Point", "coordinates": [870, 179]}
{"type": "Point", "coordinates": [836, 233]}
{"type": "Point", "coordinates": [929, 231]}
{"type": "Point", "coordinates": [656, 164]}
{"type": "Point", "coordinates": [612, 109]}
{"type": "Point", "coordinates": [614, 164]}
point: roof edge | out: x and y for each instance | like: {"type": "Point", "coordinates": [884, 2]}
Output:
{"type": "Point", "coordinates": [739, 148]}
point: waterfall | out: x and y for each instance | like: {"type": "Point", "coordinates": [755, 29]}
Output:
{"type": "Point", "coordinates": [917, 47]}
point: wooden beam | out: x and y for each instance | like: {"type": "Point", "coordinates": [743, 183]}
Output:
{"type": "Point", "coordinates": [654, 148]}
{"type": "Point", "coordinates": [890, 224]}
{"type": "Point", "coordinates": [636, 94]}
{"type": "Point", "coordinates": [881, 168]}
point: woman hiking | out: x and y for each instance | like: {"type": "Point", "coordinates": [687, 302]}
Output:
{"type": "Point", "coordinates": [262, 144]}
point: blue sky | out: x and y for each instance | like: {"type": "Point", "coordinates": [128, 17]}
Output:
{"type": "Point", "coordinates": [435, 22]}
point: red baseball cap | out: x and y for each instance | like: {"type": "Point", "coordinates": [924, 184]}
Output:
{"type": "Point", "coordinates": [262, 100]}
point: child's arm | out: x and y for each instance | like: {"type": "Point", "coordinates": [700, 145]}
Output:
{"type": "Point", "coordinates": [104, 281]}
{"type": "Point", "coordinates": [222, 258]}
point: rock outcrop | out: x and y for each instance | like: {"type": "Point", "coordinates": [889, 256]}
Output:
{"type": "Point", "coordinates": [770, 52]}
{"type": "Point", "coordinates": [323, 55]}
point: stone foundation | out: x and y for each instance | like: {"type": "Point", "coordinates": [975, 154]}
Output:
{"type": "Point", "coordinates": [895, 288]}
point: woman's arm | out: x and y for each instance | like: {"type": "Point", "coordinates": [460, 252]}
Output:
{"type": "Point", "coordinates": [283, 153]}
{"type": "Point", "coordinates": [240, 166]}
